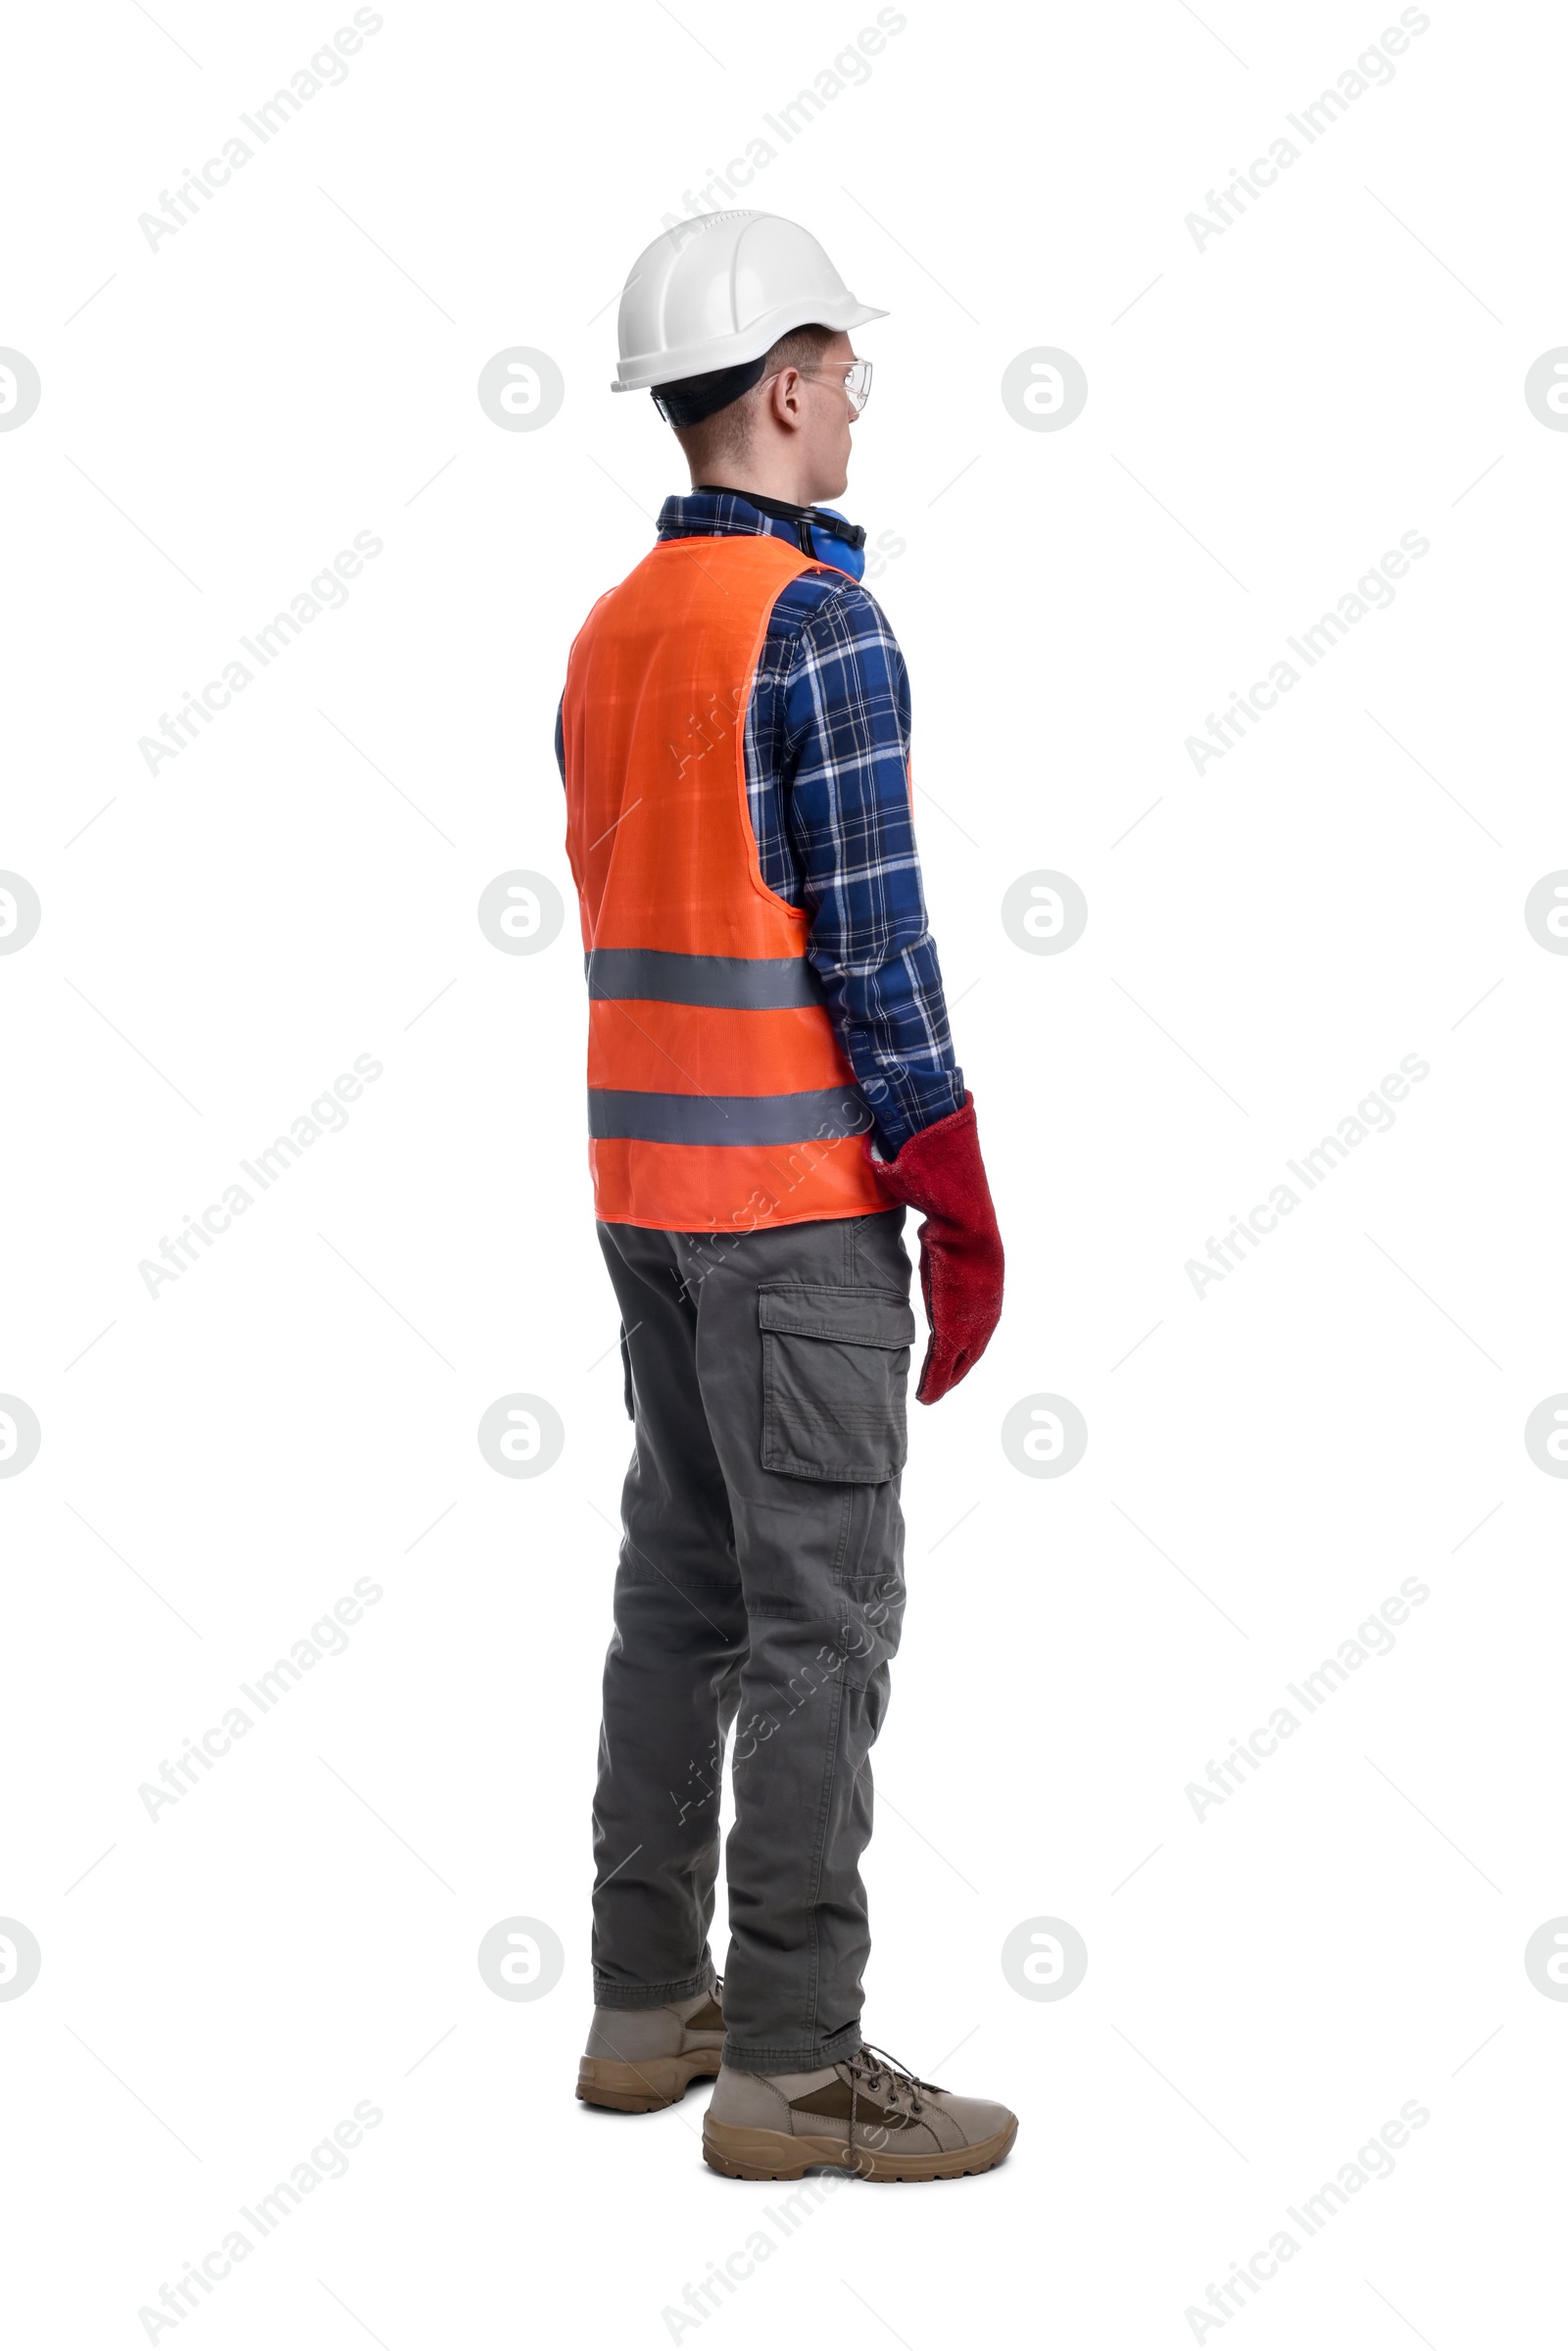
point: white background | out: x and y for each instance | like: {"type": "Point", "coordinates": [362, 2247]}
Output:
{"type": "Point", "coordinates": [298, 363]}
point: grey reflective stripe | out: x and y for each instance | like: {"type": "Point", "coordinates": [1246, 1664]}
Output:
{"type": "Point", "coordinates": [742, 983]}
{"type": "Point", "coordinates": [726, 1118]}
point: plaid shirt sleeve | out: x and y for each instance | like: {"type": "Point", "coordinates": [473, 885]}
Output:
{"type": "Point", "coordinates": [827, 760]}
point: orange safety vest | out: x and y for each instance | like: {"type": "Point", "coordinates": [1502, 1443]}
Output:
{"type": "Point", "coordinates": [718, 1100]}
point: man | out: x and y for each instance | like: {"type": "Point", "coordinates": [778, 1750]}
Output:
{"type": "Point", "coordinates": [770, 1083]}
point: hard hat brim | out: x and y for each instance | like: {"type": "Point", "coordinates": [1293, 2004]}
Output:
{"type": "Point", "coordinates": [645, 373]}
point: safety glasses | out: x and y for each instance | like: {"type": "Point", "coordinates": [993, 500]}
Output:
{"type": "Point", "coordinates": [855, 381]}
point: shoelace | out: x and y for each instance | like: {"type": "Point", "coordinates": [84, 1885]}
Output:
{"type": "Point", "coordinates": [878, 2067]}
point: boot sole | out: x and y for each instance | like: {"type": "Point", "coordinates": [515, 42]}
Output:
{"type": "Point", "coordinates": [645, 2087]}
{"type": "Point", "coordinates": [748, 2154]}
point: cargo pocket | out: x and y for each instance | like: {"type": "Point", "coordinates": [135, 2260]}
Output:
{"type": "Point", "coordinates": [835, 1366]}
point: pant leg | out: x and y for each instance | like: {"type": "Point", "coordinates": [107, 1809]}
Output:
{"type": "Point", "coordinates": [808, 1425]}
{"type": "Point", "coordinates": [673, 1672]}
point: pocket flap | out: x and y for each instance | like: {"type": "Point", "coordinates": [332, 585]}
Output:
{"type": "Point", "coordinates": [822, 1310]}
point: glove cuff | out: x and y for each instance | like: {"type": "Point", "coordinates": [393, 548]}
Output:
{"type": "Point", "coordinates": [940, 1172]}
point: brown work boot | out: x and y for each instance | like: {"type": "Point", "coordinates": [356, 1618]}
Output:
{"type": "Point", "coordinates": [640, 2059]}
{"type": "Point", "coordinates": [866, 2115]}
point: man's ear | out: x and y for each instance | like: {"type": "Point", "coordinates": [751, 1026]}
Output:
{"type": "Point", "coordinates": [784, 405]}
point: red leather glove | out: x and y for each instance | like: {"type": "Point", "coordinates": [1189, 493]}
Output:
{"type": "Point", "coordinates": [941, 1172]}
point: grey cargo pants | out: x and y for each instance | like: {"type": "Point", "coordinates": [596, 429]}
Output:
{"type": "Point", "coordinates": [759, 1587]}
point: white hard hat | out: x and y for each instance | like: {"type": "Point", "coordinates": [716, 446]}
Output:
{"type": "Point", "coordinates": [719, 290]}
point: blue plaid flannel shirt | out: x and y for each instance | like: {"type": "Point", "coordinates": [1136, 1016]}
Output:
{"type": "Point", "coordinates": [828, 749]}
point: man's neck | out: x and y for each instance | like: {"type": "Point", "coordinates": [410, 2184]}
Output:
{"type": "Point", "coordinates": [784, 483]}
{"type": "Point", "coordinates": [763, 499]}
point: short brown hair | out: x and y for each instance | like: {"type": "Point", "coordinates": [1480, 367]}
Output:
{"type": "Point", "coordinates": [727, 433]}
